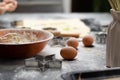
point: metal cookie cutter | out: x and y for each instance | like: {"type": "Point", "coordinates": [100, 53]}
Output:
{"type": "Point", "coordinates": [101, 37]}
{"type": "Point", "coordinates": [58, 41]}
{"type": "Point", "coordinates": [43, 63]}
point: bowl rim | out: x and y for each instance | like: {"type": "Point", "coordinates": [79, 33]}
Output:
{"type": "Point", "coordinates": [34, 42]}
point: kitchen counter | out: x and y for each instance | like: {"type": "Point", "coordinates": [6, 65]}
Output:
{"type": "Point", "coordinates": [88, 58]}
{"type": "Point", "coordinates": [103, 18]}
{"type": "Point", "coordinates": [92, 58]}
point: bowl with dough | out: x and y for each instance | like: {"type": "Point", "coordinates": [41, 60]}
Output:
{"type": "Point", "coordinates": [22, 43]}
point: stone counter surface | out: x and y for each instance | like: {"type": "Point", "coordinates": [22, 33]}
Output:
{"type": "Point", "coordinates": [103, 18]}
{"type": "Point", "coordinates": [92, 58]}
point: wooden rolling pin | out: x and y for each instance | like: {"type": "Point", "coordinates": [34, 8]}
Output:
{"type": "Point", "coordinates": [58, 33]}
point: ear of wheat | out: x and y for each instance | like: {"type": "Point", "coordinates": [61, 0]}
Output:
{"type": "Point", "coordinates": [115, 4]}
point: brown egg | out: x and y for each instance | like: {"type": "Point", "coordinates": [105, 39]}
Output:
{"type": "Point", "coordinates": [73, 42]}
{"type": "Point", "coordinates": [68, 53]}
{"type": "Point", "coordinates": [87, 40]}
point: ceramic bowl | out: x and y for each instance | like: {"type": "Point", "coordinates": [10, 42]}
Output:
{"type": "Point", "coordinates": [25, 49]}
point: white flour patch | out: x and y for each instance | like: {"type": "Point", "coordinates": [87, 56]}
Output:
{"type": "Point", "coordinates": [27, 75]}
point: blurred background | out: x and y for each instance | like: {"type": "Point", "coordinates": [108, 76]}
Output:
{"type": "Point", "coordinates": [62, 6]}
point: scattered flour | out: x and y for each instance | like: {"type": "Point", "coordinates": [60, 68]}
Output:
{"type": "Point", "coordinates": [27, 75]}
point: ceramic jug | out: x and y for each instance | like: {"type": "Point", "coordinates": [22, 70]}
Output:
{"type": "Point", "coordinates": [113, 41]}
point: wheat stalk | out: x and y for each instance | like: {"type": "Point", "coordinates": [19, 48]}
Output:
{"type": "Point", "coordinates": [119, 5]}
{"type": "Point", "coordinates": [115, 4]}
{"type": "Point", "coordinates": [112, 5]}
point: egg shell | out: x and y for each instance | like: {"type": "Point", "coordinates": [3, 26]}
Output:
{"type": "Point", "coordinates": [87, 40]}
{"type": "Point", "coordinates": [68, 53]}
{"type": "Point", "coordinates": [73, 42]}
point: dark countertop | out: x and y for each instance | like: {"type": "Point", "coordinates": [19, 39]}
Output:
{"type": "Point", "coordinates": [103, 18]}
{"type": "Point", "coordinates": [87, 59]}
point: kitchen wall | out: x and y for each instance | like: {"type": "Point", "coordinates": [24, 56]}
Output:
{"type": "Point", "coordinates": [90, 6]}
{"type": "Point", "coordinates": [43, 6]}
{"type": "Point", "coordinates": [64, 6]}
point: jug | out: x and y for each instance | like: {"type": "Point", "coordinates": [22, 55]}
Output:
{"type": "Point", "coordinates": [113, 41]}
